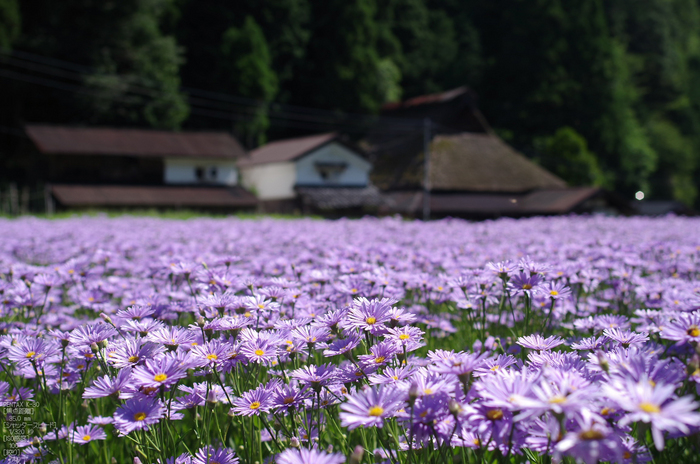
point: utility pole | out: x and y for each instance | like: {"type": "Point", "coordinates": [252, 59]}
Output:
{"type": "Point", "coordinates": [426, 169]}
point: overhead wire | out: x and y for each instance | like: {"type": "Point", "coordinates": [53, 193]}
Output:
{"type": "Point", "coordinates": [203, 102]}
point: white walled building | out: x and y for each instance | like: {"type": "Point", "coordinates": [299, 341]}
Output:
{"type": "Point", "coordinates": [111, 167]}
{"type": "Point", "coordinates": [210, 171]}
{"type": "Point", "coordinates": [277, 170]}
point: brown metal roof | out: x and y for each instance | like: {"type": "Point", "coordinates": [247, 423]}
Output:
{"type": "Point", "coordinates": [134, 142]}
{"type": "Point", "coordinates": [484, 163]}
{"type": "Point", "coordinates": [286, 150]}
{"type": "Point", "coordinates": [115, 195]}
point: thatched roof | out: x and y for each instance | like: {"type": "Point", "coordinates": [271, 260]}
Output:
{"type": "Point", "coordinates": [484, 163]}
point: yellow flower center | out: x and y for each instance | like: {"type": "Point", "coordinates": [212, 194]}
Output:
{"type": "Point", "coordinates": [554, 293]}
{"type": "Point", "coordinates": [694, 331]}
{"type": "Point", "coordinates": [527, 287]}
{"type": "Point", "coordinates": [557, 399]}
{"type": "Point", "coordinates": [30, 354]}
{"type": "Point", "coordinates": [133, 359]}
{"type": "Point", "coordinates": [288, 400]}
{"type": "Point", "coordinates": [354, 290]}
{"type": "Point", "coordinates": [606, 411]}
{"type": "Point", "coordinates": [376, 411]}
{"type": "Point", "coordinates": [160, 377]}
{"type": "Point", "coordinates": [591, 435]}
{"type": "Point", "coordinates": [627, 455]}
{"type": "Point", "coordinates": [139, 416]}
{"type": "Point", "coordinates": [379, 359]}
{"type": "Point", "coordinates": [261, 306]}
{"type": "Point", "coordinates": [86, 437]}
{"type": "Point", "coordinates": [371, 320]}
{"type": "Point", "coordinates": [404, 337]}
{"type": "Point", "coordinates": [494, 414]}
{"type": "Point", "coordinates": [650, 408]}
{"type": "Point", "coordinates": [212, 357]}
{"type": "Point", "coordinates": [495, 368]}
{"type": "Point", "coordinates": [259, 352]}
{"type": "Point", "coordinates": [255, 405]}
{"type": "Point", "coordinates": [428, 391]}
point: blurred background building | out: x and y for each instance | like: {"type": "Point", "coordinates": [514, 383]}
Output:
{"type": "Point", "coordinates": [599, 95]}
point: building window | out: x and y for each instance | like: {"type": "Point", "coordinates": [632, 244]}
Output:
{"type": "Point", "coordinates": [199, 174]}
{"type": "Point", "coordinates": [330, 172]}
{"type": "Point", "coordinates": [213, 173]}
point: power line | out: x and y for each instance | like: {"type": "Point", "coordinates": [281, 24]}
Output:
{"type": "Point", "coordinates": [202, 111]}
{"type": "Point", "coordinates": [215, 100]}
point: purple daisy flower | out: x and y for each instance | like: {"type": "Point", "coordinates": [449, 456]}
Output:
{"type": "Point", "coordinates": [254, 402]}
{"type": "Point", "coordinates": [342, 345]}
{"type": "Point", "coordinates": [119, 386]}
{"type": "Point", "coordinates": [381, 354]}
{"type": "Point", "coordinates": [409, 338]}
{"type": "Point", "coordinates": [370, 316]}
{"type": "Point", "coordinates": [626, 337]}
{"type": "Point", "coordinates": [86, 433]}
{"type": "Point", "coordinates": [656, 405]}
{"type": "Point", "coordinates": [686, 328]}
{"type": "Point", "coordinates": [211, 455]}
{"type": "Point", "coordinates": [538, 342]}
{"type": "Point", "coordinates": [288, 396]}
{"type": "Point", "coordinates": [556, 290]}
{"type": "Point", "coordinates": [308, 456]}
{"type": "Point", "coordinates": [138, 414]}
{"type": "Point", "coordinates": [260, 350]}
{"type": "Point", "coordinates": [371, 407]}
{"type": "Point", "coordinates": [315, 376]}
{"type": "Point", "coordinates": [592, 441]}
{"type": "Point", "coordinates": [157, 373]}
{"type": "Point", "coordinates": [525, 283]}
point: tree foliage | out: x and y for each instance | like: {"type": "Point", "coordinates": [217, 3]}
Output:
{"type": "Point", "coordinates": [9, 23]}
{"type": "Point", "coordinates": [619, 79]}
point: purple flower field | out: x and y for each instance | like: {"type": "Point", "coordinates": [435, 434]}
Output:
{"type": "Point", "coordinates": [217, 341]}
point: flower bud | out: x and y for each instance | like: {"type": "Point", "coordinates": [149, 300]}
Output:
{"type": "Point", "coordinates": [356, 456]}
{"type": "Point", "coordinates": [294, 442]}
{"type": "Point", "coordinates": [413, 393]}
{"type": "Point", "coordinates": [455, 407]}
{"type": "Point", "coordinates": [212, 399]}
{"type": "Point", "coordinates": [106, 318]}
{"type": "Point", "coordinates": [94, 348]}
{"type": "Point", "coordinates": [603, 361]}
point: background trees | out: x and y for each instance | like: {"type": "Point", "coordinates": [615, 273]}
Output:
{"type": "Point", "coordinates": [609, 89]}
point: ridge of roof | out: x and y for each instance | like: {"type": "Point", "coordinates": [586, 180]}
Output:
{"type": "Point", "coordinates": [427, 99]}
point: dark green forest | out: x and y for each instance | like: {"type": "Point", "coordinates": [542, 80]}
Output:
{"type": "Point", "coordinates": [600, 92]}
